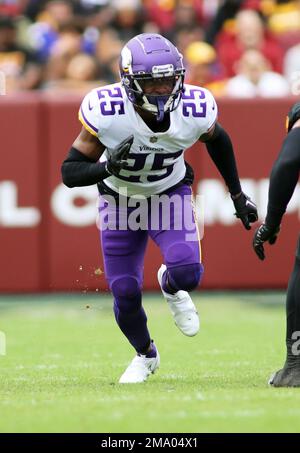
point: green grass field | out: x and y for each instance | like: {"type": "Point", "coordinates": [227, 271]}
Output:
{"type": "Point", "coordinates": [63, 362]}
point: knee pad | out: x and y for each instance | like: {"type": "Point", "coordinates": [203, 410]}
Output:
{"type": "Point", "coordinates": [185, 277]}
{"type": "Point", "coordinates": [127, 293]}
{"type": "Point", "coordinates": [182, 253]}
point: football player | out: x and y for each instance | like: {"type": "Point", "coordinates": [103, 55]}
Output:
{"type": "Point", "coordinates": [283, 180]}
{"type": "Point", "coordinates": [132, 143]}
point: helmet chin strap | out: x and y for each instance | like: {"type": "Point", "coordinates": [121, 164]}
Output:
{"type": "Point", "coordinates": [160, 110]}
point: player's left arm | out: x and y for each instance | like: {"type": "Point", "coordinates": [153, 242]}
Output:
{"type": "Point", "coordinates": [220, 149]}
{"type": "Point", "coordinates": [284, 176]}
{"type": "Point", "coordinates": [283, 180]}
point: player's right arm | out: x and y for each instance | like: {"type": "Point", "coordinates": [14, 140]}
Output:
{"type": "Point", "coordinates": [82, 166]}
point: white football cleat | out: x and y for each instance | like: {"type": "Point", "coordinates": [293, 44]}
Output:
{"type": "Point", "coordinates": [182, 308]}
{"type": "Point", "coordinates": [140, 369]}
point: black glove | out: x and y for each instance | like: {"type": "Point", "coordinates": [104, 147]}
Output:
{"type": "Point", "coordinates": [262, 234]}
{"type": "Point", "coordinates": [245, 210]}
{"type": "Point", "coordinates": [116, 157]}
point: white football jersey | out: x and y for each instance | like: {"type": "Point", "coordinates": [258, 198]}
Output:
{"type": "Point", "coordinates": [156, 159]}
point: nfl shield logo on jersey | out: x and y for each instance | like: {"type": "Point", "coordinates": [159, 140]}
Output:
{"type": "Point", "coordinates": [153, 139]}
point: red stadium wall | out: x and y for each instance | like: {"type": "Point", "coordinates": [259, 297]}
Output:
{"type": "Point", "coordinates": [20, 196]}
{"type": "Point", "coordinates": [49, 240]}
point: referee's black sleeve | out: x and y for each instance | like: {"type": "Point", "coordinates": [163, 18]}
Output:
{"type": "Point", "coordinates": [284, 177]}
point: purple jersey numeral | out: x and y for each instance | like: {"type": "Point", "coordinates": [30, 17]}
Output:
{"type": "Point", "coordinates": [159, 163]}
{"type": "Point", "coordinates": [108, 106]}
{"type": "Point", "coordinates": [138, 164]}
{"type": "Point", "coordinates": [192, 107]}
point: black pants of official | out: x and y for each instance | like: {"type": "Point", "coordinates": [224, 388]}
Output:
{"type": "Point", "coordinates": [293, 311]}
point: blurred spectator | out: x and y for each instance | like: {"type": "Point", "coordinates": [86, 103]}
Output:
{"type": "Point", "coordinates": [200, 58]}
{"type": "Point", "coordinates": [202, 67]}
{"type": "Point", "coordinates": [67, 45]}
{"type": "Point", "coordinates": [284, 21]}
{"type": "Point", "coordinates": [129, 19]}
{"type": "Point", "coordinates": [57, 13]}
{"type": "Point", "coordinates": [33, 8]}
{"type": "Point", "coordinates": [94, 13]}
{"type": "Point", "coordinates": [170, 14]}
{"type": "Point", "coordinates": [255, 78]}
{"type": "Point", "coordinates": [160, 12]}
{"type": "Point", "coordinates": [45, 32]}
{"type": "Point", "coordinates": [227, 10]}
{"type": "Point", "coordinates": [62, 29]}
{"type": "Point", "coordinates": [186, 13]}
{"type": "Point", "coordinates": [89, 7]}
{"type": "Point", "coordinates": [21, 67]}
{"type": "Point", "coordinates": [91, 12]}
{"type": "Point", "coordinates": [12, 7]}
{"type": "Point", "coordinates": [209, 9]}
{"type": "Point", "coordinates": [81, 76]}
{"type": "Point", "coordinates": [108, 53]}
{"type": "Point", "coordinates": [187, 25]}
{"type": "Point", "coordinates": [225, 14]}
{"type": "Point", "coordinates": [291, 67]}
{"type": "Point", "coordinates": [185, 36]}
{"type": "Point", "coordinates": [249, 33]}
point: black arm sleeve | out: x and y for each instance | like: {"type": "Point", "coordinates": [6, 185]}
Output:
{"type": "Point", "coordinates": [284, 177]}
{"type": "Point", "coordinates": [221, 152]}
{"type": "Point", "coordinates": [78, 170]}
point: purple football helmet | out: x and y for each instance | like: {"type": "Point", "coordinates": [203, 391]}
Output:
{"type": "Point", "coordinates": [150, 56]}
